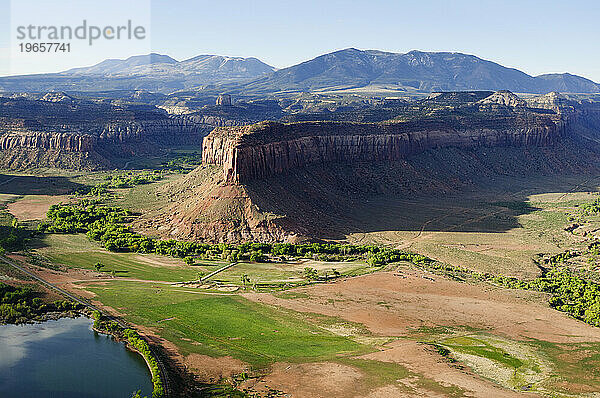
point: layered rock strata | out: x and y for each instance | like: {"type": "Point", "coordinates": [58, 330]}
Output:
{"type": "Point", "coordinates": [96, 131]}
{"type": "Point", "coordinates": [265, 149]}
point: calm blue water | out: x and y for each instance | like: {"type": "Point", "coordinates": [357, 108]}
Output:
{"type": "Point", "coordinates": [66, 359]}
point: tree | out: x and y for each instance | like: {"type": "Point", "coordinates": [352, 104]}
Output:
{"type": "Point", "coordinates": [137, 394]}
{"type": "Point", "coordinates": [310, 273]}
{"type": "Point", "coordinates": [189, 260]}
{"type": "Point", "coordinates": [256, 257]}
{"type": "Point", "coordinates": [245, 279]}
{"type": "Point", "coordinates": [98, 266]}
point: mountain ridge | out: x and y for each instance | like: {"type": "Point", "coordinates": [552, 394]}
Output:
{"type": "Point", "coordinates": [152, 72]}
{"type": "Point", "coordinates": [159, 64]}
{"type": "Point", "coordinates": [338, 71]}
{"type": "Point", "coordinates": [414, 70]}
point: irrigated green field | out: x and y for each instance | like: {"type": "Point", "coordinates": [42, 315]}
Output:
{"type": "Point", "coordinates": [77, 251]}
{"type": "Point", "coordinates": [224, 324]}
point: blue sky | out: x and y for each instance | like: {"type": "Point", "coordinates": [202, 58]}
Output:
{"type": "Point", "coordinates": [534, 36]}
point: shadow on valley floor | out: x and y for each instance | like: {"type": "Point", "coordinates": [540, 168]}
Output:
{"type": "Point", "coordinates": [447, 189]}
{"type": "Point", "coordinates": [33, 185]}
{"type": "Point", "coordinates": [490, 206]}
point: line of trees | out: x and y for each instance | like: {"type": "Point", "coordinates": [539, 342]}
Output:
{"type": "Point", "coordinates": [108, 226]}
{"type": "Point", "coordinates": [127, 180]}
{"type": "Point", "coordinates": [138, 343]}
{"type": "Point", "coordinates": [181, 162]}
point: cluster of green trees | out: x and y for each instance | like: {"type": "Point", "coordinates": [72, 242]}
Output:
{"type": "Point", "coordinates": [591, 208]}
{"type": "Point", "coordinates": [572, 294]}
{"type": "Point", "coordinates": [138, 343]}
{"type": "Point", "coordinates": [131, 179]}
{"type": "Point", "coordinates": [179, 163]}
{"type": "Point", "coordinates": [69, 218]}
{"type": "Point", "coordinates": [21, 304]}
{"type": "Point", "coordinates": [127, 180]}
{"type": "Point", "coordinates": [594, 248]}
{"type": "Point", "coordinates": [108, 226]}
{"type": "Point", "coordinates": [13, 237]}
{"type": "Point", "coordinates": [562, 257]}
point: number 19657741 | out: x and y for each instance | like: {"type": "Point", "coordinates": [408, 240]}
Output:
{"type": "Point", "coordinates": [45, 47]}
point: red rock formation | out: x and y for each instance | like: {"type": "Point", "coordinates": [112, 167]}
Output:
{"type": "Point", "coordinates": [53, 141]}
{"type": "Point", "coordinates": [98, 131]}
{"type": "Point", "coordinates": [264, 149]}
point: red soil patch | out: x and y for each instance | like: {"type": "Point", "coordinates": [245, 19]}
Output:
{"type": "Point", "coordinates": [391, 304]}
{"type": "Point", "coordinates": [211, 370]}
{"type": "Point", "coordinates": [312, 380]}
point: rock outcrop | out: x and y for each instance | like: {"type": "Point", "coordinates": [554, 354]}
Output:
{"type": "Point", "coordinates": [223, 100]}
{"type": "Point", "coordinates": [324, 180]}
{"type": "Point", "coordinates": [505, 98]}
{"type": "Point", "coordinates": [264, 149]}
{"type": "Point", "coordinates": [52, 141]}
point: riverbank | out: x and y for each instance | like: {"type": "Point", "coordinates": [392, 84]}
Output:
{"type": "Point", "coordinates": [136, 343]}
{"type": "Point", "coordinates": [22, 304]}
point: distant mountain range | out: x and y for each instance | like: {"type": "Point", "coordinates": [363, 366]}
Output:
{"type": "Point", "coordinates": [153, 72]}
{"type": "Point", "coordinates": [205, 68]}
{"type": "Point", "coordinates": [344, 70]}
{"type": "Point", "coordinates": [416, 70]}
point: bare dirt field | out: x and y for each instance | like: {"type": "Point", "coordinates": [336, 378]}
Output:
{"type": "Point", "coordinates": [411, 305]}
{"type": "Point", "coordinates": [397, 304]}
{"type": "Point", "coordinates": [34, 207]}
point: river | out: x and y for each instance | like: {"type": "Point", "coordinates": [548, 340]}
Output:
{"type": "Point", "coordinates": [65, 358]}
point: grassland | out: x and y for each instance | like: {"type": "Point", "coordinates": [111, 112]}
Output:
{"type": "Point", "coordinates": [220, 325]}
{"type": "Point", "coordinates": [513, 364]}
{"type": "Point", "coordinates": [77, 251]}
{"type": "Point", "coordinates": [500, 233]}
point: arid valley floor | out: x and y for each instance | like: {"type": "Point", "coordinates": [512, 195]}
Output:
{"type": "Point", "coordinates": [399, 330]}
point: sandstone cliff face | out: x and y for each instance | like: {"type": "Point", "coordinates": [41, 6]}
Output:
{"type": "Point", "coordinates": [287, 182]}
{"type": "Point", "coordinates": [98, 131]}
{"type": "Point", "coordinates": [266, 149]}
{"type": "Point", "coordinates": [52, 141]}
{"type": "Point", "coordinates": [173, 131]}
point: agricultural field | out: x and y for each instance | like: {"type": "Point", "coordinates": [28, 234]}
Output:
{"type": "Point", "coordinates": [78, 251]}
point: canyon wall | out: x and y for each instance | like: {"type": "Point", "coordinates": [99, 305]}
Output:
{"type": "Point", "coordinates": [51, 141]}
{"type": "Point", "coordinates": [265, 149]}
{"type": "Point", "coordinates": [79, 129]}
